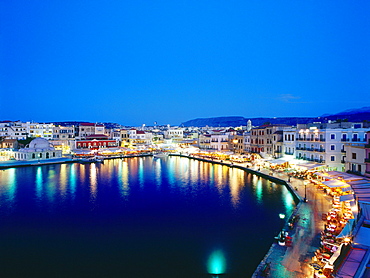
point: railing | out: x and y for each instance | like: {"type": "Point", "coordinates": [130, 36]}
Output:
{"type": "Point", "coordinates": [343, 161]}
{"type": "Point", "coordinates": [344, 139]}
{"type": "Point", "coordinates": [312, 159]}
{"type": "Point", "coordinates": [367, 160]}
{"type": "Point", "coordinates": [287, 153]}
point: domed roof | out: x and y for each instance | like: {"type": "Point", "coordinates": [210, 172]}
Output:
{"type": "Point", "coordinates": [40, 143]}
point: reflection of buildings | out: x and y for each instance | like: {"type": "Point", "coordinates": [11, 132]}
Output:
{"type": "Point", "coordinates": [39, 148]}
{"type": "Point", "coordinates": [96, 141]}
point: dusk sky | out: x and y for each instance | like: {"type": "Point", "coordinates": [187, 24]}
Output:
{"type": "Point", "coordinates": [136, 62]}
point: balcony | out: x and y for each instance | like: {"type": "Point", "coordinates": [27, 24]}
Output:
{"type": "Point", "coordinates": [367, 160]}
{"type": "Point", "coordinates": [320, 150]}
{"type": "Point", "coordinates": [287, 153]}
{"type": "Point", "coordinates": [343, 161]}
{"type": "Point", "coordinates": [367, 146]}
{"type": "Point", "coordinates": [343, 151]}
{"type": "Point", "coordinates": [344, 140]}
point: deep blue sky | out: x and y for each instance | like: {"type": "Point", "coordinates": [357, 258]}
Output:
{"type": "Point", "coordinates": [136, 62]}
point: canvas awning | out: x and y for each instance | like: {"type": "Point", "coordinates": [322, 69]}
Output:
{"type": "Point", "coordinates": [345, 198]}
{"type": "Point", "coordinates": [344, 176]}
{"type": "Point", "coordinates": [310, 166]}
{"type": "Point", "coordinates": [320, 174]}
{"type": "Point", "coordinates": [278, 161]}
{"type": "Point", "coordinates": [346, 188]}
{"type": "Point", "coordinates": [347, 230]}
{"type": "Point", "coordinates": [334, 183]}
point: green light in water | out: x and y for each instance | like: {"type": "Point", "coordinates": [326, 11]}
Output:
{"type": "Point", "coordinates": [216, 263]}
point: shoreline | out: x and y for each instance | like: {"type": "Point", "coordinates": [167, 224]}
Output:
{"type": "Point", "coordinates": [282, 262]}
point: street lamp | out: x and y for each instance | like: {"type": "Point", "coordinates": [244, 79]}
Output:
{"type": "Point", "coordinates": [305, 191]}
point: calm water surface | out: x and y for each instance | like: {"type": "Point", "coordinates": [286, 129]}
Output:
{"type": "Point", "coordinates": [137, 217]}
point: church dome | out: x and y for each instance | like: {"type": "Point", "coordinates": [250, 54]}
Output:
{"type": "Point", "coordinates": [40, 144]}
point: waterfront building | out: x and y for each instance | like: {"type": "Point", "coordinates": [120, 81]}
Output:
{"type": "Point", "coordinates": [219, 142]}
{"type": "Point", "coordinates": [324, 143]}
{"type": "Point", "coordinates": [237, 143]}
{"type": "Point", "coordinates": [355, 157]}
{"type": "Point", "coordinates": [174, 134]}
{"type": "Point", "coordinates": [38, 149]}
{"type": "Point", "coordinates": [9, 144]}
{"type": "Point", "coordinates": [277, 144]}
{"type": "Point", "coordinates": [95, 142]}
{"type": "Point", "coordinates": [124, 137]}
{"type": "Point", "coordinates": [140, 138]}
{"type": "Point", "coordinates": [262, 139]}
{"type": "Point", "coordinates": [205, 141]}
{"type": "Point", "coordinates": [367, 155]}
{"type": "Point", "coordinates": [86, 129]}
{"type": "Point", "coordinates": [42, 130]}
{"type": "Point", "coordinates": [13, 130]}
{"type": "Point", "coordinates": [63, 132]}
{"type": "Point", "coordinates": [247, 141]}
{"type": "Point", "coordinates": [289, 142]}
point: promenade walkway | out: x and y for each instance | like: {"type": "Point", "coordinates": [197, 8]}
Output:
{"type": "Point", "coordinates": [294, 261]}
{"type": "Point", "coordinates": [20, 163]}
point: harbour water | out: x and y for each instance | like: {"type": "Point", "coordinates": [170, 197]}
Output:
{"type": "Point", "coordinates": [137, 217]}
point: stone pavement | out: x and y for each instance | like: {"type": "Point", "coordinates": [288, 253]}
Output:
{"type": "Point", "coordinates": [294, 261]}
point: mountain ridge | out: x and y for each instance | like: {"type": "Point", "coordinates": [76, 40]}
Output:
{"type": "Point", "coordinates": [351, 115]}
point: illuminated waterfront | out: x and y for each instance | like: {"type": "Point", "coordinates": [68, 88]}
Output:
{"type": "Point", "coordinates": [138, 217]}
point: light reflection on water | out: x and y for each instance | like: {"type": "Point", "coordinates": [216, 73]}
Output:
{"type": "Point", "coordinates": [8, 187]}
{"type": "Point", "coordinates": [205, 205]}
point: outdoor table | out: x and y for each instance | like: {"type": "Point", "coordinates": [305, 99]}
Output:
{"type": "Point", "coordinates": [326, 255]}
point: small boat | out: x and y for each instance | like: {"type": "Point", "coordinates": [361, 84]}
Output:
{"type": "Point", "coordinates": [160, 155]}
{"type": "Point", "coordinates": [92, 160]}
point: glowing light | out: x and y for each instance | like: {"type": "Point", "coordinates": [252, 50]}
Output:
{"type": "Point", "coordinates": [39, 182]}
{"type": "Point", "coordinates": [259, 191]}
{"type": "Point", "coordinates": [72, 180]}
{"type": "Point", "coordinates": [281, 215]}
{"type": "Point", "coordinates": [217, 263]}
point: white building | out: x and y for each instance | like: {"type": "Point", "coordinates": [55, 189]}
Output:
{"type": "Point", "coordinates": [13, 130]}
{"type": "Point", "coordinates": [325, 144]}
{"type": "Point", "coordinates": [140, 138]}
{"type": "Point", "coordinates": [289, 142]}
{"type": "Point", "coordinates": [38, 149]}
{"type": "Point", "coordinates": [247, 142]}
{"type": "Point", "coordinates": [40, 130]}
{"type": "Point", "coordinates": [219, 142]}
{"type": "Point", "coordinates": [176, 134]}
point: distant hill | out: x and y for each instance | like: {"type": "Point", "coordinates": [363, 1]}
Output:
{"type": "Point", "coordinates": [352, 115]}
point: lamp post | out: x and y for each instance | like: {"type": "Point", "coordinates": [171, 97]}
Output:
{"type": "Point", "coordinates": [305, 191]}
